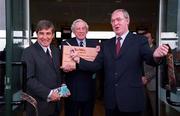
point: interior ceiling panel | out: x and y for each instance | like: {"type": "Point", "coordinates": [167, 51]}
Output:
{"type": "Point", "coordinates": [95, 12]}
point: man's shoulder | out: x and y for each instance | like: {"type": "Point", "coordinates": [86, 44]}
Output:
{"type": "Point", "coordinates": [92, 42]}
{"type": "Point", "coordinates": [33, 48]}
{"type": "Point", "coordinates": [54, 48]}
{"type": "Point", "coordinates": [107, 41]}
{"type": "Point", "coordinates": [135, 36]}
{"type": "Point", "coordinates": [29, 48]}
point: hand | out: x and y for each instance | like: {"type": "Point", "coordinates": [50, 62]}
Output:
{"type": "Point", "coordinates": [68, 68]}
{"type": "Point", "coordinates": [144, 80]}
{"type": "Point", "coordinates": [55, 96]}
{"type": "Point", "coordinates": [161, 51]}
{"type": "Point", "coordinates": [74, 55]}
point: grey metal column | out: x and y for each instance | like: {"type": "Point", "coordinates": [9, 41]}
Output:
{"type": "Point", "coordinates": [9, 39]}
{"type": "Point", "coordinates": [178, 24]}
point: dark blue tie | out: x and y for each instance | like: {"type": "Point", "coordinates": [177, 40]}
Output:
{"type": "Point", "coordinates": [81, 44]}
{"type": "Point", "coordinates": [48, 54]}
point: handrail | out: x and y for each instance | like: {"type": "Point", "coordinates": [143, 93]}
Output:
{"type": "Point", "coordinates": [24, 96]}
{"type": "Point", "coordinates": [2, 102]}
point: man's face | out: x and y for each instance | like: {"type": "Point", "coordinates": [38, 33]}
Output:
{"type": "Point", "coordinates": [80, 30]}
{"type": "Point", "coordinates": [45, 36]}
{"type": "Point", "coordinates": [119, 23]}
{"type": "Point", "coordinates": [149, 37]}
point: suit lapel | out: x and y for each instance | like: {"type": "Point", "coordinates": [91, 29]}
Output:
{"type": "Point", "coordinates": [112, 47]}
{"type": "Point", "coordinates": [41, 53]}
{"type": "Point", "coordinates": [89, 43]}
{"type": "Point", "coordinates": [74, 42]}
{"type": "Point", "coordinates": [53, 57]}
{"type": "Point", "coordinates": [40, 50]}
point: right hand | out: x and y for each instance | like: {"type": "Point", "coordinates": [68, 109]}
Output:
{"type": "Point", "coordinates": [55, 96]}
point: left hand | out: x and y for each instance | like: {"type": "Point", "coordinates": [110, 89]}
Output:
{"type": "Point", "coordinates": [161, 51]}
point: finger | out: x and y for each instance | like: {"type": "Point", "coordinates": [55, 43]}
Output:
{"type": "Point", "coordinates": [61, 67]}
{"type": "Point", "coordinates": [164, 49]}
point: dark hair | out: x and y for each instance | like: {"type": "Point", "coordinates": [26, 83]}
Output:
{"type": "Point", "coordinates": [44, 24]}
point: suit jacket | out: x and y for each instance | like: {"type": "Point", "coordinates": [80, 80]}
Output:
{"type": "Point", "coordinates": [81, 83]}
{"type": "Point", "coordinates": [123, 85]}
{"type": "Point", "coordinates": [42, 75]}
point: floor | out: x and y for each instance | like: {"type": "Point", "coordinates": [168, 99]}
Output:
{"type": "Point", "coordinates": [98, 110]}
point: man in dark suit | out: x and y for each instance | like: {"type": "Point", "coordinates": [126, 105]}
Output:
{"type": "Point", "coordinates": [122, 58]}
{"type": "Point", "coordinates": [43, 71]}
{"type": "Point", "coordinates": [80, 83]}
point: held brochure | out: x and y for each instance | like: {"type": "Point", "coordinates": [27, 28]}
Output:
{"type": "Point", "coordinates": [87, 53]}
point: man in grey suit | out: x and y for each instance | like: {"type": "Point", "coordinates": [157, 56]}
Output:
{"type": "Point", "coordinates": [122, 57]}
{"type": "Point", "coordinates": [43, 71]}
{"type": "Point", "coordinates": [149, 80]}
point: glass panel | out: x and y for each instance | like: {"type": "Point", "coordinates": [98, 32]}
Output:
{"type": "Point", "coordinates": [169, 98]}
{"type": "Point", "coordinates": [20, 39]}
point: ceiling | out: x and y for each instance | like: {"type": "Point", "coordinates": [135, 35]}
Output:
{"type": "Point", "coordinates": [62, 13]}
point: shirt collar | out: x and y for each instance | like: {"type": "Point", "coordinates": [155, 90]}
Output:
{"type": "Point", "coordinates": [123, 36]}
{"type": "Point", "coordinates": [45, 48]}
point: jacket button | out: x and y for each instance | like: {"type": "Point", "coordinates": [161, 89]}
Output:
{"type": "Point", "coordinates": [116, 74]}
{"type": "Point", "coordinates": [116, 84]}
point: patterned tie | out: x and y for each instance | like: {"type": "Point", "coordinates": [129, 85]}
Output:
{"type": "Point", "coordinates": [118, 46]}
{"type": "Point", "coordinates": [170, 69]}
{"type": "Point", "coordinates": [81, 44]}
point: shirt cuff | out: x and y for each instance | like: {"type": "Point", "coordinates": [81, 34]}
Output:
{"type": "Point", "coordinates": [48, 98]}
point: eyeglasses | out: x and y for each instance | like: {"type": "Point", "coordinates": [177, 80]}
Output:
{"type": "Point", "coordinates": [117, 19]}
